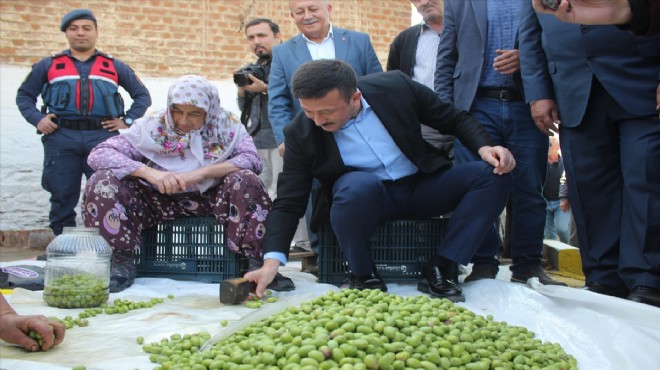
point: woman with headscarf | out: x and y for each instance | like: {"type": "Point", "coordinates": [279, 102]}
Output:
{"type": "Point", "coordinates": [192, 158]}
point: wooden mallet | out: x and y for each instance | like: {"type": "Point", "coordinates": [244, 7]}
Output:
{"type": "Point", "coordinates": [234, 291]}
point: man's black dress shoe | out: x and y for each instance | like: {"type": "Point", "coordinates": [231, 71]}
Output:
{"type": "Point", "coordinates": [440, 279]}
{"type": "Point", "coordinates": [371, 281]}
{"type": "Point", "coordinates": [644, 294]}
{"type": "Point", "coordinates": [606, 290]}
{"type": "Point", "coordinates": [535, 272]}
{"type": "Point", "coordinates": [482, 271]}
{"type": "Point", "coordinates": [281, 283]}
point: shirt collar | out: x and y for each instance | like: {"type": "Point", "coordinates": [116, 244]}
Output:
{"type": "Point", "coordinates": [366, 109]}
{"type": "Point", "coordinates": [68, 52]}
{"type": "Point", "coordinates": [426, 27]}
{"type": "Point", "coordinates": [329, 36]}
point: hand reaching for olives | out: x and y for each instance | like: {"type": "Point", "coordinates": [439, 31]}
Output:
{"type": "Point", "coordinates": [32, 332]}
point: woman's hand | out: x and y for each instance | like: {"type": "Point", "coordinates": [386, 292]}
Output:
{"type": "Point", "coordinates": [15, 329]}
{"type": "Point", "coordinates": [166, 182]}
{"type": "Point", "coordinates": [194, 177]}
{"type": "Point", "coordinates": [171, 182]}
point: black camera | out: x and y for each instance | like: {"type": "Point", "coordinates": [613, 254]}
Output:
{"type": "Point", "coordinates": [241, 77]}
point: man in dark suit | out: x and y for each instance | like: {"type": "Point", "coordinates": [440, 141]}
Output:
{"type": "Point", "coordinates": [597, 86]}
{"type": "Point", "coordinates": [414, 52]}
{"type": "Point", "coordinates": [363, 142]}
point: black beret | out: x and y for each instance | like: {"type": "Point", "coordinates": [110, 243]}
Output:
{"type": "Point", "coordinates": [75, 15]}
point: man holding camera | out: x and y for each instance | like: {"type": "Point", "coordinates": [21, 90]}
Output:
{"type": "Point", "coordinates": [252, 82]}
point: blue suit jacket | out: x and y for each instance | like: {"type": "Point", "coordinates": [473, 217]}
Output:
{"type": "Point", "coordinates": [461, 51]}
{"type": "Point", "coordinates": [350, 46]}
{"type": "Point", "coordinates": [558, 61]}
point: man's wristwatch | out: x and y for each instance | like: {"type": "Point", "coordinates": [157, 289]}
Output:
{"type": "Point", "coordinates": [128, 121]}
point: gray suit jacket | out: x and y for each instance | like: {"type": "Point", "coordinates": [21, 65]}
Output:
{"type": "Point", "coordinates": [350, 46]}
{"type": "Point", "coordinates": [461, 51]}
{"type": "Point", "coordinates": [559, 60]}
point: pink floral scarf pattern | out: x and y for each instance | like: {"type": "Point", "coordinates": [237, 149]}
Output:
{"type": "Point", "coordinates": [157, 138]}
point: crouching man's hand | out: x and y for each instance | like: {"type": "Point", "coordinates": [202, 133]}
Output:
{"type": "Point", "coordinates": [264, 275]}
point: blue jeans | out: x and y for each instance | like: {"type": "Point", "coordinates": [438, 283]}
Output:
{"type": "Point", "coordinates": [65, 162]}
{"type": "Point", "coordinates": [556, 222]}
{"type": "Point", "coordinates": [510, 125]}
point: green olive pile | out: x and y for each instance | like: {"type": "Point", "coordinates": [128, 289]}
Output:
{"type": "Point", "coordinates": [367, 329]}
{"type": "Point", "coordinates": [76, 291]}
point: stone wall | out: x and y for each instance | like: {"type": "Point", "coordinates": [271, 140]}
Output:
{"type": "Point", "coordinates": [169, 38]}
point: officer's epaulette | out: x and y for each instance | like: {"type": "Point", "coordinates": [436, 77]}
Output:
{"type": "Point", "coordinates": [109, 56]}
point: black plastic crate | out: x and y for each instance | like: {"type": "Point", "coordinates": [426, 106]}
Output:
{"type": "Point", "coordinates": [400, 250]}
{"type": "Point", "coordinates": [188, 249]}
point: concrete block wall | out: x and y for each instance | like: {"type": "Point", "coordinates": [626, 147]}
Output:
{"type": "Point", "coordinates": [169, 38]}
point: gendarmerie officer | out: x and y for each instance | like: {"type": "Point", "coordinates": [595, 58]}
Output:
{"type": "Point", "coordinates": [82, 107]}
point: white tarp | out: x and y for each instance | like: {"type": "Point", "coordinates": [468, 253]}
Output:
{"type": "Point", "coordinates": [600, 331]}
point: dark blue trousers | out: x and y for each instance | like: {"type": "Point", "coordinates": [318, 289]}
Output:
{"type": "Point", "coordinates": [612, 164]}
{"type": "Point", "coordinates": [65, 162]}
{"type": "Point", "coordinates": [361, 201]}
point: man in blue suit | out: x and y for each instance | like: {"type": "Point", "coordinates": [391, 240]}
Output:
{"type": "Point", "coordinates": [478, 70]}
{"type": "Point", "coordinates": [597, 86]}
{"type": "Point", "coordinates": [318, 40]}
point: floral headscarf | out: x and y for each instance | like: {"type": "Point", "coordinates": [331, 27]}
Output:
{"type": "Point", "coordinates": [156, 137]}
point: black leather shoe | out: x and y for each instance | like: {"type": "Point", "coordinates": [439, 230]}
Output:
{"type": "Point", "coordinates": [281, 283]}
{"type": "Point", "coordinates": [606, 290]}
{"type": "Point", "coordinates": [371, 281]}
{"type": "Point", "coordinates": [535, 272]}
{"type": "Point", "coordinates": [440, 279]}
{"type": "Point", "coordinates": [483, 271]}
{"type": "Point", "coordinates": [644, 294]}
